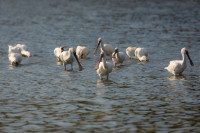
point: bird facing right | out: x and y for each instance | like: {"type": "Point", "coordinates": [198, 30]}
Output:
{"type": "Point", "coordinates": [176, 67]}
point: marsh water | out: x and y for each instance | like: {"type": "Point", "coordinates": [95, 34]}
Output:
{"type": "Point", "coordinates": [39, 96]}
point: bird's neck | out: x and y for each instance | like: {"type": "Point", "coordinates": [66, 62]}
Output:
{"type": "Point", "coordinates": [184, 58]}
{"type": "Point", "coordinates": [102, 45]}
{"type": "Point", "coordinates": [104, 63]}
{"type": "Point", "coordinates": [117, 54]}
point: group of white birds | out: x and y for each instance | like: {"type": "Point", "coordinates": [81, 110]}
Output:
{"type": "Point", "coordinates": [103, 67]}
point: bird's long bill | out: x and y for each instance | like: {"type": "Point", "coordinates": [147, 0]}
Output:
{"type": "Point", "coordinates": [97, 66]}
{"type": "Point", "coordinates": [113, 56]}
{"type": "Point", "coordinates": [95, 51]}
{"type": "Point", "coordinates": [79, 64]}
{"type": "Point", "coordinates": [191, 63]}
{"type": "Point", "coordinates": [62, 49]}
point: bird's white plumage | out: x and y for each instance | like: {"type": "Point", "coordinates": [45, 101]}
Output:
{"type": "Point", "coordinates": [118, 57]}
{"type": "Point", "coordinates": [24, 50]}
{"type": "Point", "coordinates": [67, 57]}
{"type": "Point", "coordinates": [82, 51]}
{"type": "Point", "coordinates": [13, 49]}
{"type": "Point", "coordinates": [57, 52]}
{"type": "Point", "coordinates": [108, 49]}
{"type": "Point", "coordinates": [104, 68]}
{"type": "Point", "coordinates": [130, 51]}
{"type": "Point", "coordinates": [15, 58]}
{"type": "Point", "coordinates": [141, 54]}
{"type": "Point", "coordinates": [176, 67]}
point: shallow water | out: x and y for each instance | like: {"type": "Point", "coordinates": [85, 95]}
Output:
{"type": "Point", "coordinates": [39, 96]}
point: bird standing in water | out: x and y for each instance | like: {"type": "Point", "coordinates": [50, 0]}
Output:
{"type": "Point", "coordinates": [176, 67]}
{"type": "Point", "coordinates": [103, 67]}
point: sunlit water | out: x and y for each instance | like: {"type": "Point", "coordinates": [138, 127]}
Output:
{"type": "Point", "coordinates": [39, 96]}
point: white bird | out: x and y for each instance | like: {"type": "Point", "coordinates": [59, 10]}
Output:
{"type": "Point", "coordinates": [13, 49]}
{"type": "Point", "coordinates": [103, 67]}
{"type": "Point", "coordinates": [82, 51]}
{"type": "Point", "coordinates": [176, 67]}
{"type": "Point", "coordinates": [141, 54]}
{"type": "Point", "coordinates": [57, 52]}
{"type": "Point", "coordinates": [67, 57]}
{"type": "Point", "coordinates": [106, 48]}
{"type": "Point", "coordinates": [15, 58]}
{"type": "Point", "coordinates": [24, 50]}
{"type": "Point", "coordinates": [118, 57]}
{"type": "Point", "coordinates": [130, 51]}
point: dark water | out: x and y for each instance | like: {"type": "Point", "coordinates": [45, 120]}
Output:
{"type": "Point", "coordinates": [39, 96]}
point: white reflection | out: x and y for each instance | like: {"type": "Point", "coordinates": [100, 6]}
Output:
{"type": "Point", "coordinates": [58, 63]}
{"type": "Point", "coordinates": [179, 77]}
{"type": "Point", "coordinates": [100, 83]}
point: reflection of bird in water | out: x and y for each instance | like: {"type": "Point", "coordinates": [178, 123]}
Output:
{"type": "Point", "coordinates": [103, 67]}
{"type": "Point", "coordinates": [174, 77]}
{"type": "Point", "coordinates": [176, 67]}
{"type": "Point", "coordinates": [102, 83]}
{"type": "Point", "coordinates": [106, 48]}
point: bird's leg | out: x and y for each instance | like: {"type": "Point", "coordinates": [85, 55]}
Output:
{"type": "Point", "coordinates": [71, 66]}
{"type": "Point", "coordinates": [64, 66]}
{"type": "Point", "coordinates": [100, 76]}
{"type": "Point", "coordinates": [107, 76]}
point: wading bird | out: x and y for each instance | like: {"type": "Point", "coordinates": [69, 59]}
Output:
{"type": "Point", "coordinates": [15, 58]}
{"type": "Point", "coordinates": [141, 54]}
{"type": "Point", "coordinates": [130, 51]}
{"type": "Point", "coordinates": [24, 50]}
{"type": "Point", "coordinates": [118, 57]}
{"type": "Point", "coordinates": [14, 55]}
{"type": "Point", "coordinates": [106, 48]}
{"type": "Point", "coordinates": [67, 57]}
{"type": "Point", "coordinates": [82, 52]}
{"type": "Point", "coordinates": [57, 52]}
{"type": "Point", "coordinates": [176, 67]}
{"type": "Point", "coordinates": [13, 49]}
{"type": "Point", "coordinates": [103, 67]}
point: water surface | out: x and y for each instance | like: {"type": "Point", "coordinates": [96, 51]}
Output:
{"type": "Point", "coordinates": [39, 96]}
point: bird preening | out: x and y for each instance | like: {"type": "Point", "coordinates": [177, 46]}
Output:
{"type": "Point", "coordinates": [15, 53]}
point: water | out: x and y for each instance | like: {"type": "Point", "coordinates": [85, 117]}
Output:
{"type": "Point", "coordinates": [39, 96]}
